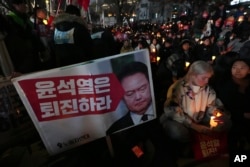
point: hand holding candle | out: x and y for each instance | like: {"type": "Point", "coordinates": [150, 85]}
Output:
{"type": "Point", "coordinates": [214, 120]}
{"type": "Point", "coordinates": [213, 123]}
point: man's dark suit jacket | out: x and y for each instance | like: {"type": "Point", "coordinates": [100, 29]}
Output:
{"type": "Point", "coordinates": [124, 122]}
{"type": "Point", "coordinates": [125, 140]}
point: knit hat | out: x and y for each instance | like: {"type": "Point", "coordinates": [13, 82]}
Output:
{"type": "Point", "coordinates": [220, 38]}
{"type": "Point", "coordinates": [185, 41]}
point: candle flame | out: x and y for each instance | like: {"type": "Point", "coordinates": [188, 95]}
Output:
{"type": "Point", "coordinates": [213, 57]}
{"type": "Point", "coordinates": [218, 114]}
{"type": "Point", "coordinates": [212, 122]}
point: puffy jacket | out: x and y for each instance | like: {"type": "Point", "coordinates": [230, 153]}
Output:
{"type": "Point", "coordinates": [72, 40]}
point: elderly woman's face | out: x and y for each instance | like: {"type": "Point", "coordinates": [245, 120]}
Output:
{"type": "Point", "coordinates": [201, 79]}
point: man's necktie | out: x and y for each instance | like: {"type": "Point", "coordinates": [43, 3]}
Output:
{"type": "Point", "coordinates": [144, 117]}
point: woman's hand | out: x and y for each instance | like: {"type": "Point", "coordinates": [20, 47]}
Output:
{"type": "Point", "coordinates": [223, 122]}
{"type": "Point", "coordinates": [221, 118]}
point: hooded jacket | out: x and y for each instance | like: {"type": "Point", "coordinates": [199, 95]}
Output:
{"type": "Point", "coordinates": [72, 40]}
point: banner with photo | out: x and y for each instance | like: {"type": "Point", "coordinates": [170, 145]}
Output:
{"type": "Point", "coordinates": [77, 104]}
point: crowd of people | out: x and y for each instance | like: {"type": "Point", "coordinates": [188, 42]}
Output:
{"type": "Point", "coordinates": [202, 69]}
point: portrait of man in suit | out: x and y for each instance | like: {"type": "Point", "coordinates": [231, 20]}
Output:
{"type": "Point", "coordinates": [134, 79]}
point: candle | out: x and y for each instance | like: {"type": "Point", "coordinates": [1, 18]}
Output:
{"type": "Point", "coordinates": [158, 59]}
{"type": "Point", "coordinates": [213, 58]}
{"type": "Point", "coordinates": [212, 122]}
{"type": "Point", "coordinates": [187, 64]}
{"type": "Point", "coordinates": [153, 50]}
{"type": "Point", "coordinates": [218, 114]}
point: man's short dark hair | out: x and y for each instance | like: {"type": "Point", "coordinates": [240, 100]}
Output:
{"type": "Point", "coordinates": [131, 69]}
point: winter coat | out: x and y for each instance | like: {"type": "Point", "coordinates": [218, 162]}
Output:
{"type": "Point", "coordinates": [22, 43]}
{"type": "Point", "coordinates": [72, 40]}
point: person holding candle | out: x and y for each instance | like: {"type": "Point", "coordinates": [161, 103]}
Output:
{"type": "Point", "coordinates": [204, 51]}
{"type": "Point", "coordinates": [154, 46]}
{"type": "Point", "coordinates": [179, 61]}
{"type": "Point", "coordinates": [190, 104]}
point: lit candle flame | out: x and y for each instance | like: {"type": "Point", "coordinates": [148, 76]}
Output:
{"type": "Point", "coordinates": [213, 58]}
{"type": "Point", "coordinates": [158, 58]}
{"type": "Point", "coordinates": [218, 114]}
{"type": "Point", "coordinates": [212, 122]}
{"type": "Point", "coordinates": [153, 50]}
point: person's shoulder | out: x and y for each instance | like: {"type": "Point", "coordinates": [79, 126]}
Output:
{"type": "Point", "coordinates": [175, 87]}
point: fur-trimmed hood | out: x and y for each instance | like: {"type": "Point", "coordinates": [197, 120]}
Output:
{"type": "Point", "coordinates": [65, 17]}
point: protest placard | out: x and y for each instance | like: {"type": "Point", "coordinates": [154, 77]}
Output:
{"type": "Point", "coordinates": [76, 104]}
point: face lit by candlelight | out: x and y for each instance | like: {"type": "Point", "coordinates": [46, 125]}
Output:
{"type": "Point", "coordinates": [201, 79]}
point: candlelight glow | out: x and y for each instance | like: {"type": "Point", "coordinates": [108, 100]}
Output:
{"type": "Point", "coordinates": [153, 50]}
{"type": "Point", "coordinates": [45, 22]}
{"type": "Point", "coordinates": [218, 114]}
{"type": "Point", "coordinates": [241, 18]}
{"type": "Point", "coordinates": [212, 122]}
{"type": "Point", "coordinates": [213, 57]}
{"type": "Point", "coordinates": [158, 59]}
{"type": "Point", "coordinates": [187, 64]}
